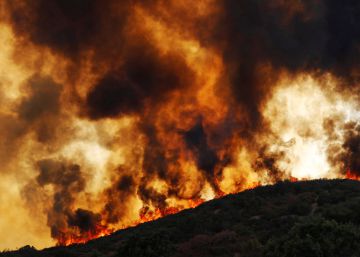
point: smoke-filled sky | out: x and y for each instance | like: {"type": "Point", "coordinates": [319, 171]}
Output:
{"type": "Point", "coordinates": [113, 112]}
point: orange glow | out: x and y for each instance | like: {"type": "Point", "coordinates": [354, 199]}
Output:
{"type": "Point", "coordinates": [67, 238]}
{"type": "Point", "coordinates": [293, 179]}
{"type": "Point", "coordinates": [147, 215]}
{"type": "Point", "coordinates": [351, 175]}
{"type": "Point", "coordinates": [148, 110]}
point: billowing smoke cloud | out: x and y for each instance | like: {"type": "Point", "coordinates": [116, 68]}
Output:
{"type": "Point", "coordinates": [313, 36]}
{"type": "Point", "coordinates": [85, 220]}
{"type": "Point", "coordinates": [206, 158]}
{"type": "Point", "coordinates": [145, 76]}
{"type": "Point", "coordinates": [117, 196]}
{"type": "Point", "coordinates": [66, 26]}
{"type": "Point", "coordinates": [130, 110]}
{"type": "Point", "coordinates": [43, 99]}
{"type": "Point", "coordinates": [67, 181]}
{"type": "Point", "coordinates": [37, 113]}
{"type": "Point", "coordinates": [41, 107]}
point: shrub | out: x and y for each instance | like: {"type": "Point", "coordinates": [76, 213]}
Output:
{"type": "Point", "coordinates": [299, 207]}
{"type": "Point", "coordinates": [153, 245]}
{"type": "Point", "coordinates": [316, 237]}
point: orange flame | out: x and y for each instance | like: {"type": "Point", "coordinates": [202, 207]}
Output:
{"type": "Point", "coordinates": [352, 176]}
{"type": "Point", "coordinates": [69, 238]}
{"type": "Point", "coordinates": [293, 179]}
{"type": "Point", "coordinates": [147, 215]}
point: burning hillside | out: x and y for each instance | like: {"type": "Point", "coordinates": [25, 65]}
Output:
{"type": "Point", "coordinates": [317, 217]}
{"type": "Point", "coordinates": [114, 113]}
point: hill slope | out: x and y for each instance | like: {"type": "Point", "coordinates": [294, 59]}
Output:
{"type": "Point", "coordinates": [310, 218]}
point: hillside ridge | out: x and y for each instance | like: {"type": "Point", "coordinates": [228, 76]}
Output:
{"type": "Point", "coordinates": [311, 218]}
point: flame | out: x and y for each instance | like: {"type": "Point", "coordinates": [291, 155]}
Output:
{"type": "Point", "coordinates": [181, 137]}
{"type": "Point", "coordinates": [66, 238]}
{"type": "Point", "coordinates": [293, 179]}
{"type": "Point", "coordinates": [351, 175]}
{"type": "Point", "coordinates": [146, 214]}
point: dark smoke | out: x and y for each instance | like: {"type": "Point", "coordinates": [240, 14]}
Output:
{"type": "Point", "coordinates": [206, 158]}
{"type": "Point", "coordinates": [113, 96]}
{"type": "Point", "coordinates": [266, 162]}
{"type": "Point", "coordinates": [351, 157]}
{"type": "Point", "coordinates": [152, 197]}
{"type": "Point", "coordinates": [37, 112]}
{"type": "Point", "coordinates": [345, 155]}
{"type": "Point", "coordinates": [85, 220]}
{"type": "Point", "coordinates": [156, 164]}
{"type": "Point", "coordinates": [155, 161]}
{"type": "Point", "coordinates": [292, 35]}
{"type": "Point", "coordinates": [117, 196]}
{"type": "Point", "coordinates": [144, 77]}
{"type": "Point", "coordinates": [66, 26]}
{"type": "Point", "coordinates": [43, 99]}
{"type": "Point", "coordinates": [40, 110]}
{"type": "Point", "coordinates": [67, 181]}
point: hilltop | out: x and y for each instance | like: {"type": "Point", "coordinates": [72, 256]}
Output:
{"type": "Point", "coordinates": [306, 218]}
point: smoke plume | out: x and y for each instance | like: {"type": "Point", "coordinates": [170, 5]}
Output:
{"type": "Point", "coordinates": [114, 113]}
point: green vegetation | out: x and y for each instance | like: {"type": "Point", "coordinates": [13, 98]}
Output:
{"type": "Point", "coordinates": [303, 219]}
{"type": "Point", "coordinates": [316, 236]}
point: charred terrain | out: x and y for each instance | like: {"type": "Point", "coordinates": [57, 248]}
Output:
{"type": "Point", "coordinates": [307, 218]}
